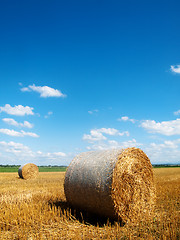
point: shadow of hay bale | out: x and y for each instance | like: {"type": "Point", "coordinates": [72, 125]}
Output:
{"type": "Point", "coordinates": [85, 217]}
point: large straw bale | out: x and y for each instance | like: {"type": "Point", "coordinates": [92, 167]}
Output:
{"type": "Point", "coordinates": [114, 183]}
{"type": "Point", "coordinates": [28, 171]}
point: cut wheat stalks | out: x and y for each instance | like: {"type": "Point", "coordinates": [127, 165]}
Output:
{"type": "Point", "coordinates": [28, 171]}
{"type": "Point", "coordinates": [117, 184]}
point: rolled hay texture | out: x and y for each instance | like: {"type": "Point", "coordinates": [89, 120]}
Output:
{"type": "Point", "coordinates": [117, 184]}
{"type": "Point", "coordinates": [28, 171]}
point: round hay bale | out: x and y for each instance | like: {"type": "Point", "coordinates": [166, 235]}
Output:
{"type": "Point", "coordinates": [114, 183]}
{"type": "Point", "coordinates": [28, 171]}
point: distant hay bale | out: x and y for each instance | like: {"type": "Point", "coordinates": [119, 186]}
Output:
{"type": "Point", "coordinates": [28, 171]}
{"type": "Point", "coordinates": [114, 183]}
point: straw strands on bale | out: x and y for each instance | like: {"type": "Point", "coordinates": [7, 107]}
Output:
{"type": "Point", "coordinates": [114, 183]}
{"type": "Point", "coordinates": [28, 171]}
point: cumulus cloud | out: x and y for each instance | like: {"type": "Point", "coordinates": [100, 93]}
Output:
{"type": "Point", "coordinates": [177, 112]}
{"type": "Point", "coordinates": [13, 133]}
{"type": "Point", "coordinates": [26, 124]}
{"type": "Point", "coordinates": [11, 151]}
{"type": "Point", "coordinates": [97, 134]}
{"type": "Point", "coordinates": [167, 128]}
{"type": "Point", "coordinates": [98, 147]}
{"type": "Point", "coordinates": [112, 144]}
{"type": "Point", "coordinates": [15, 148]}
{"type": "Point", "coordinates": [130, 143]}
{"type": "Point", "coordinates": [165, 152]}
{"type": "Point", "coordinates": [109, 131]}
{"type": "Point", "coordinates": [94, 136]}
{"type": "Point", "coordinates": [17, 110]}
{"type": "Point", "coordinates": [113, 132]}
{"type": "Point", "coordinates": [53, 155]}
{"type": "Point", "coordinates": [165, 145]}
{"type": "Point", "coordinates": [126, 118]}
{"type": "Point", "coordinates": [125, 144]}
{"type": "Point", "coordinates": [44, 91]}
{"type": "Point", "coordinates": [175, 69]}
{"type": "Point", "coordinates": [12, 122]}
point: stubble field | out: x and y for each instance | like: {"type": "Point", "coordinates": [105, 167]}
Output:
{"type": "Point", "coordinates": [37, 209]}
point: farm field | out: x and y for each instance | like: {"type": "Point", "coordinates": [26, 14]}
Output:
{"type": "Point", "coordinates": [37, 209]}
{"type": "Point", "coordinates": [41, 169]}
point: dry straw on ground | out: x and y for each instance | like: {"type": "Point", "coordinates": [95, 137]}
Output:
{"type": "Point", "coordinates": [115, 183]}
{"type": "Point", "coordinates": [28, 171]}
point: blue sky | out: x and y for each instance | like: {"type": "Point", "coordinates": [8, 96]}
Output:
{"type": "Point", "coordinates": [88, 75]}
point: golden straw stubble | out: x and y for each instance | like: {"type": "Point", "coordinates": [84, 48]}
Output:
{"type": "Point", "coordinates": [115, 183]}
{"type": "Point", "coordinates": [28, 171]}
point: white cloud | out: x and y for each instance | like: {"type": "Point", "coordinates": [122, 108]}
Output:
{"type": "Point", "coordinates": [177, 112]}
{"type": "Point", "coordinates": [15, 148]}
{"type": "Point", "coordinates": [27, 124]}
{"type": "Point", "coordinates": [125, 144]}
{"type": "Point", "coordinates": [113, 132]}
{"type": "Point", "coordinates": [44, 91]}
{"type": "Point", "coordinates": [59, 154]}
{"type": "Point", "coordinates": [53, 155]}
{"type": "Point", "coordinates": [109, 131]}
{"type": "Point", "coordinates": [124, 133]}
{"type": "Point", "coordinates": [130, 143]}
{"type": "Point", "coordinates": [17, 110]}
{"type": "Point", "coordinates": [165, 145]}
{"type": "Point", "coordinates": [93, 111]}
{"type": "Point", "coordinates": [98, 147]}
{"type": "Point", "coordinates": [175, 68]}
{"type": "Point", "coordinates": [30, 134]}
{"type": "Point", "coordinates": [17, 134]}
{"type": "Point", "coordinates": [125, 119]}
{"type": "Point", "coordinates": [166, 152]}
{"type": "Point", "coordinates": [167, 128]}
{"type": "Point", "coordinates": [96, 134]}
{"type": "Point", "coordinates": [12, 122]}
{"type": "Point", "coordinates": [48, 114]}
{"type": "Point", "coordinates": [10, 132]}
{"type": "Point", "coordinates": [17, 153]}
{"type": "Point", "coordinates": [112, 144]}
